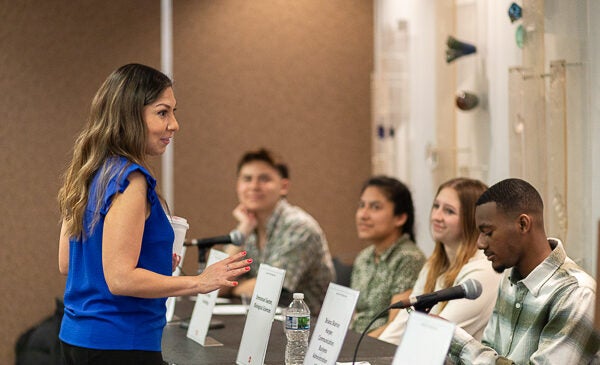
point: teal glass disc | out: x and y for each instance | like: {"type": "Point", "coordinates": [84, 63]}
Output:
{"type": "Point", "coordinates": [520, 36]}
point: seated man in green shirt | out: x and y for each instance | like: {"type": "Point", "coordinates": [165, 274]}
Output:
{"type": "Point", "coordinates": [545, 306]}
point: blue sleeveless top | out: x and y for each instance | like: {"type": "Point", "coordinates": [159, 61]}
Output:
{"type": "Point", "coordinates": [94, 318]}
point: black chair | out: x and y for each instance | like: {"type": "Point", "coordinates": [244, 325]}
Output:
{"type": "Point", "coordinates": [342, 271]}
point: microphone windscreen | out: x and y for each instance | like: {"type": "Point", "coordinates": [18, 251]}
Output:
{"type": "Point", "coordinates": [472, 289]}
{"type": "Point", "coordinates": [237, 238]}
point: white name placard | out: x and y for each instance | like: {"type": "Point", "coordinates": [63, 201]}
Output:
{"type": "Point", "coordinates": [257, 329]}
{"type": "Point", "coordinates": [425, 342]}
{"type": "Point", "coordinates": [329, 334]}
{"type": "Point", "coordinates": [203, 309]}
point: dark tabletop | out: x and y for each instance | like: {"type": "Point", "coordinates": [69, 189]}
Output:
{"type": "Point", "coordinates": [180, 350]}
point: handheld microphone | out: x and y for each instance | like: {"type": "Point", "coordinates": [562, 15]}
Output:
{"type": "Point", "coordinates": [235, 237]}
{"type": "Point", "coordinates": [470, 289]}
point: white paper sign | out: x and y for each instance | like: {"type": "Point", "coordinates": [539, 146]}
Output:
{"type": "Point", "coordinates": [332, 325]}
{"type": "Point", "coordinates": [203, 309]}
{"type": "Point", "coordinates": [425, 342]}
{"type": "Point", "coordinates": [257, 329]}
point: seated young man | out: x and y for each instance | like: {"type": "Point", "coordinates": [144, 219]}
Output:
{"type": "Point", "coordinates": [545, 306]}
{"type": "Point", "coordinates": [279, 234]}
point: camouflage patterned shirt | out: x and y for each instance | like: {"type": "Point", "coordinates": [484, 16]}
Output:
{"type": "Point", "coordinates": [296, 243]}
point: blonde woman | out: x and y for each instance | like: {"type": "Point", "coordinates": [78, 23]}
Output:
{"type": "Point", "coordinates": [454, 260]}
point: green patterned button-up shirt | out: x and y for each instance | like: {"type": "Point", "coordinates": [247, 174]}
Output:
{"type": "Point", "coordinates": [545, 318]}
{"type": "Point", "coordinates": [396, 272]}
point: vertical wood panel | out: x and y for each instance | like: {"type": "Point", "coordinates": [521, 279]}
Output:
{"type": "Point", "coordinates": [444, 97]}
{"type": "Point", "coordinates": [597, 311]}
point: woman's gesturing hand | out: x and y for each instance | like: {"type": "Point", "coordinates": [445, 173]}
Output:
{"type": "Point", "coordinates": [224, 272]}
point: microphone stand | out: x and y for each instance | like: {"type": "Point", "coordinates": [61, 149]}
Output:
{"type": "Point", "coordinates": [202, 251]}
{"type": "Point", "coordinates": [398, 305]}
{"type": "Point", "coordinates": [366, 329]}
{"type": "Point", "coordinates": [470, 289]}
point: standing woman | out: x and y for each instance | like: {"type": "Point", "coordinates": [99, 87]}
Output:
{"type": "Point", "coordinates": [454, 260]}
{"type": "Point", "coordinates": [116, 240]}
{"type": "Point", "coordinates": [389, 265]}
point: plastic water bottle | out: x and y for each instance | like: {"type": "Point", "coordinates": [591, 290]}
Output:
{"type": "Point", "coordinates": [297, 330]}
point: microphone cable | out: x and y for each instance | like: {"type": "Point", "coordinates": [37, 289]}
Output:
{"type": "Point", "coordinates": [367, 328]}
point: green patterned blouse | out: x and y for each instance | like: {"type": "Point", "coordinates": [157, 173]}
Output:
{"type": "Point", "coordinates": [396, 272]}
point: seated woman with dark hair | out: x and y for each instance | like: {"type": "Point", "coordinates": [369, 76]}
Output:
{"type": "Point", "coordinates": [391, 262]}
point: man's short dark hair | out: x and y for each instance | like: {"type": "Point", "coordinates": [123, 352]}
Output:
{"type": "Point", "coordinates": [267, 156]}
{"type": "Point", "coordinates": [513, 196]}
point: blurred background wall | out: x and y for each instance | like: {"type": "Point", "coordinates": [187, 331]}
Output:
{"type": "Point", "coordinates": [290, 76]}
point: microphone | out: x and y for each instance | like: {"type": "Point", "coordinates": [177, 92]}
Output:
{"type": "Point", "coordinates": [470, 289]}
{"type": "Point", "coordinates": [235, 237]}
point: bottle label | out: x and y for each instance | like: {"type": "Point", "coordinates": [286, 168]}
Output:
{"type": "Point", "coordinates": [297, 323]}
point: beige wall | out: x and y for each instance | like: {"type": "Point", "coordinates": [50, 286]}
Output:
{"type": "Point", "coordinates": [292, 76]}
